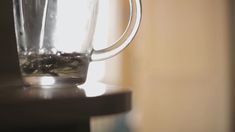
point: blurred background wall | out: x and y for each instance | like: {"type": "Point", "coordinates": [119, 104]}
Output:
{"type": "Point", "coordinates": [232, 60]}
{"type": "Point", "coordinates": [178, 67]}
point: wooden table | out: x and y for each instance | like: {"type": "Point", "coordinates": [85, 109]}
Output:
{"type": "Point", "coordinates": [67, 109]}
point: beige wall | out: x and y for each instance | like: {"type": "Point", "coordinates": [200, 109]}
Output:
{"type": "Point", "coordinates": [178, 67]}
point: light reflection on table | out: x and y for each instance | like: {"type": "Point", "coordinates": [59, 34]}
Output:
{"type": "Point", "coordinates": [90, 89]}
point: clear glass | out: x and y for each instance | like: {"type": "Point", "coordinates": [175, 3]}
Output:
{"type": "Point", "coordinates": [54, 39]}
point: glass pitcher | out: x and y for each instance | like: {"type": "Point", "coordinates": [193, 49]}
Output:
{"type": "Point", "coordinates": [54, 39]}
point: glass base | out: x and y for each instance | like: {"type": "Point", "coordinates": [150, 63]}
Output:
{"type": "Point", "coordinates": [51, 81]}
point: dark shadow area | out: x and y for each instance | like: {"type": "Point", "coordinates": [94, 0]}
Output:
{"type": "Point", "coordinates": [8, 50]}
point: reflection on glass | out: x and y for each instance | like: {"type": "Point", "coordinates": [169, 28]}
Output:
{"type": "Point", "coordinates": [47, 81]}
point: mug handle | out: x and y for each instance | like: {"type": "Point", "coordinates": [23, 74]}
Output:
{"type": "Point", "coordinates": [127, 36]}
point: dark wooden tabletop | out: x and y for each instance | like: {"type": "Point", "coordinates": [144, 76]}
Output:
{"type": "Point", "coordinates": [27, 106]}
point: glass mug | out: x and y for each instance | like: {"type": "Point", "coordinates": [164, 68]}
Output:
{"type": "Point", "coordinates": [54, 39]}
